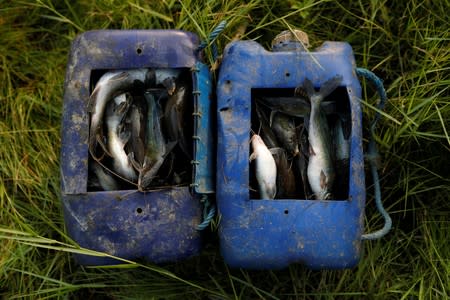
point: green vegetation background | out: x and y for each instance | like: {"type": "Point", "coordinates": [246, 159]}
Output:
{"type": "Point", "coordinates": [407, 43]}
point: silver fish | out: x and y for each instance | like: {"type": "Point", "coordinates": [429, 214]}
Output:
{"type": "Point", "coordinates": [174, 118]}
{"type": "Point", "coordinates": [104, 177]}
{"type": "Point", "coordinates": [342, 155]}
{"type": "Point", "coordinates": [118, 136]}
{"type": "Point", "coordinates": [136, 122]}
{"type": "Point", "coordinates": [266, 169]}
{"type": "Point", "coordinates": [156, 148]}
{"type": "Point", "coordinates": [110, 85]}
{"type": "Point", "coordinates": [321, 171]}
{"type": "Point", "coordinates": [341, 143]}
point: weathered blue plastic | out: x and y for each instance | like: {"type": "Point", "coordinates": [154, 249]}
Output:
{"type": "Point", "coordinates": [157, 225]}
{"type": "Point", "coordinates": [204, 142]}
{"type": "Point", "coordinates": [271, 234]}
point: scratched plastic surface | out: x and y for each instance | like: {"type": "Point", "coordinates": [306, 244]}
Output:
{"type": "Point", "coordinates": [271, 234]}
{"type": "Point", "coordinates": [158, 225]}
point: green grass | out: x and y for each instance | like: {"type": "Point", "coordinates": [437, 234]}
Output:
{"type": "Point", "coordinates": [405, 43]}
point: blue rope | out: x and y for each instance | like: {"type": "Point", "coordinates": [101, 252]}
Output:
{"type": "Point", "coordinates": [209, 211]}
{"type": "Point", "coordinates": [373, 156]}
{"type": "Point", "coordinates": [212, 36]}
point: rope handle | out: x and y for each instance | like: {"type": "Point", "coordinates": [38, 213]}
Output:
{"type": "Point", "coordinates": [372, 155]}
{"type": "Point", "coordinates": [211, 39]}
{"type": "Point", "coordinates": [209, 211]}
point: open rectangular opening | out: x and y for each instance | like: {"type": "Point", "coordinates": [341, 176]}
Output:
{"type": "Point", "coordinates": [281, 117]}
{"type": "Point", "coordinates": [140, 129]}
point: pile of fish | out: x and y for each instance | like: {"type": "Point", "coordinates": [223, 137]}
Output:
{"type": "Point", "coordinates": [302, 150]}
{"type": "Point", "coordinates": [139, 125]}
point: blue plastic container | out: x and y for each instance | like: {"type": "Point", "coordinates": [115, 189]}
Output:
{"type": "Point", "coordinates": [160, 225]}
{"type": "Point", "coordinates": [271, 234]}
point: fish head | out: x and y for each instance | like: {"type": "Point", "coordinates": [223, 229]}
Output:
{"type": "Point", "coordinates": [256, 140]}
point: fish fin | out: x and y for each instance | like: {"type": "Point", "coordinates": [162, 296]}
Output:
{"type": "Point", "coordinates": [308, 88]}
{"type": "Point", "coordinates": [330, 85]}
{"type": "Point", "coordinates": [323, 180]}
{"type": "Point", "coordinates": [253, 156]}
{"type": "Point", "coordinates": [311, 151]}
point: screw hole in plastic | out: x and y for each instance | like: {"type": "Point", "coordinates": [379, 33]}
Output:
{"type": "Point", "coordinates": [139, 210]}
{"type": "Point", "coordinates": [139, 51]}
{"type": "Point", "coordinates": [286, 211]}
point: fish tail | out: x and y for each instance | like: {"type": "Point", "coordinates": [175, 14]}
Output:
{"type": "Point", "coordinates": [329, 86]}
{"type": "Point", "coordinates": [326, 89]}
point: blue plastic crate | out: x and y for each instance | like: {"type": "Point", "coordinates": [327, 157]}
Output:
{"type": "Point", "coordinates": [157, 225]}
{"type": "Point", "coordinates": [271, 234]}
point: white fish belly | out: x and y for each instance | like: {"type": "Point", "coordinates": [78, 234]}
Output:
{"type": "Point", "coordinates": [266, 174]}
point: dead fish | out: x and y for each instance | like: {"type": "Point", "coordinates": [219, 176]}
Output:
{"type": "Point", "coordinates": [266, 169]}
{"type": "Point", "coordinates": [297, 106]}
{"type": "Point", "coordinates": [118, 136]}
{"type": "Point", "coordinates": [266, 133]}
{"type": "Point", "coordinates": [302, 159]}
{"type": "Point", "coordinates": [284, 128]}
{"type": "Point", "coordinates": [110, 85]}
{"type": "Point", "coordinates": [104, 177]}
{"type": "Point", "coordinates": [156, 148]}
{"type": "Point", "coordinates": [342, 154]}
{"type": "Point", "coordinates": [174, 118]}
{"type": "Point", "coordinates": [137, 126]}
{"type": "Point", "coordinates": [286, 182]}
{"type": "Point", "coordinates": [321, 171]}
{"type": "Point", "coordinates": [342, 144]}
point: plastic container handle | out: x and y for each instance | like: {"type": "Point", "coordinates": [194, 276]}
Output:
{"type": "Point", "coordinates": [372, 156]}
